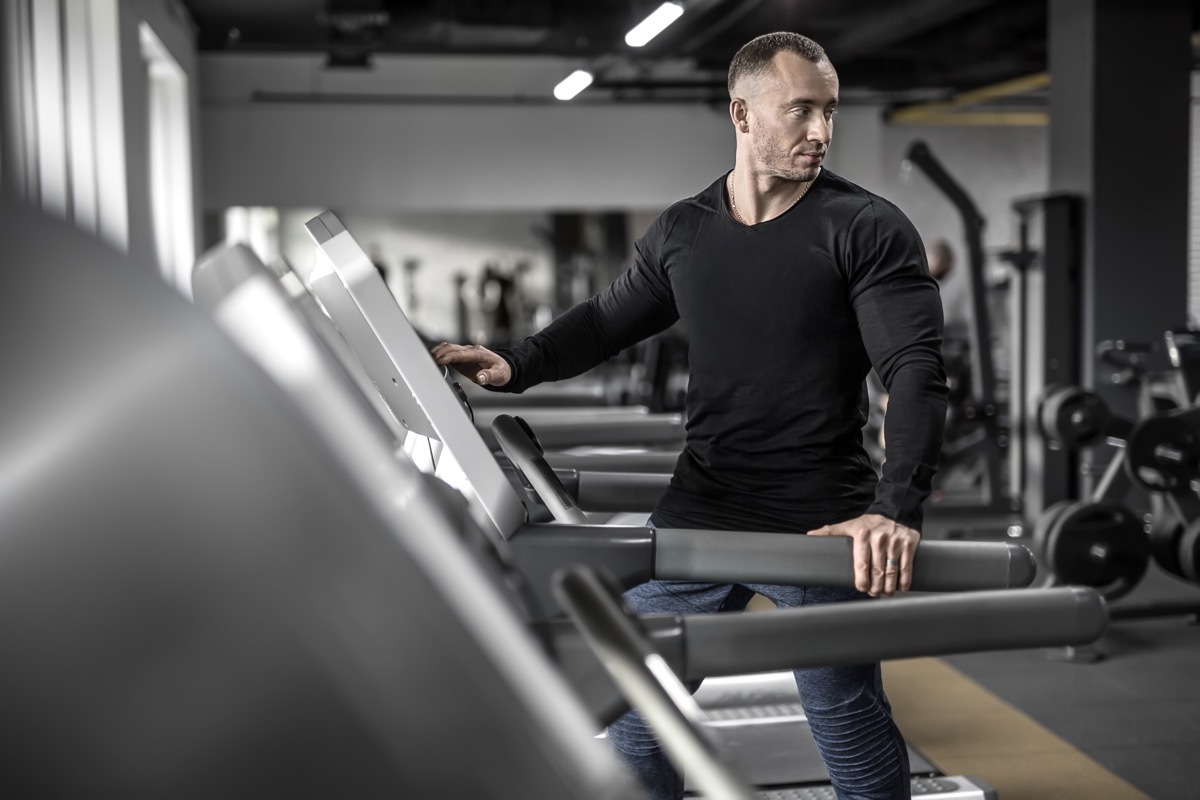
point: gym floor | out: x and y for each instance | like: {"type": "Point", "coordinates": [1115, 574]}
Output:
{"type": "Point", "coordinates": [1135, 712]}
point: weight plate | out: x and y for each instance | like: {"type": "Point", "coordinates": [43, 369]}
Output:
{"type": "Point", "coordinates": [1102, 545]}
{"type": "Point", "coordinates": [1073, 416]}
{"type": "Point", "coordinates": [1163, 452]}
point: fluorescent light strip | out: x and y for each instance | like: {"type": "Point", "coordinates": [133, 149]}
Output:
{"type": "Point", "coordinates": [573, 84]}
{"type": "Point", "coordinates": [654, 24]}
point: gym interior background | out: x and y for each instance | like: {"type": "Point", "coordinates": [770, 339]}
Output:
{"type": "Point", "coordinates": [1052, 145]}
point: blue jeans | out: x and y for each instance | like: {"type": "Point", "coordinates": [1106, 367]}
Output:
{"type": "Point", "coordinates": [848, 713]}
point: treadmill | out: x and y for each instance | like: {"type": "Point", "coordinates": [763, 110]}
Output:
{"type": "Point", "coordinates": [200, 598]}
{"type": "Point", "coordinates": [256, 313]}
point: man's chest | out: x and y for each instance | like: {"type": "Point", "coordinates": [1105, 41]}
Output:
{"type": "Point", "coordinates": [751, 276]}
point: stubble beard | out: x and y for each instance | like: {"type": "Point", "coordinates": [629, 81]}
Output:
{"type": "Point", "coordinates": [777, 161]}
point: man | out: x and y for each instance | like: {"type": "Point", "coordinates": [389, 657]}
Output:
{"type": "Point", "coordinates": [793, 282]}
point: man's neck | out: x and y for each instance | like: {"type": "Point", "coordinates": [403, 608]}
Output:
{"type": "Point", "coordinates": [757, 198]}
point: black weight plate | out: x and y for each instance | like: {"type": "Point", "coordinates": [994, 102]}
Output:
{"type": "Point", "coordinates": [1073, 416]}
{"type": "Point", "coordinates": [1102, 545]}
{"type": "Point", "coordinates": [1163, 452]}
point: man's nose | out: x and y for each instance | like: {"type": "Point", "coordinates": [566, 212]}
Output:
{"type": "Point", "coordinates": [820, 131]}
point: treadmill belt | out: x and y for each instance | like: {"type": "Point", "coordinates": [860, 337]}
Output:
{"type": "Point", "coordinates": [942, 788]}
{"type": "Point", "coordinates": [761, 726]}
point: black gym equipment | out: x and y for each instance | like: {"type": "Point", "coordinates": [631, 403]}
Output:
{"type": "Point", "coordinates": [1073, 417]}
{"type": "Point", "coordinates": [1163, 451]}
{"type": "Point", "coordinates": [1101, 541]}
{"type": "Point", "coordinates": [1097, 544]}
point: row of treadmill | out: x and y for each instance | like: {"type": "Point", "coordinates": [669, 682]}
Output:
{"type": "Point", "coordinates": [259, 544]}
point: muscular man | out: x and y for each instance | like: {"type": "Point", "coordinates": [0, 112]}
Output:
{"type": "Point", "coordinates": [793, 283]}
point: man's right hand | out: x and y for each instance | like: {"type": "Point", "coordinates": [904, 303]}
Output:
{"type": "Point", "coordinates": [479, 364]}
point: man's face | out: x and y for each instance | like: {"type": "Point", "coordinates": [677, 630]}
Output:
{"type": "Point", "coordinates": [790, 116]}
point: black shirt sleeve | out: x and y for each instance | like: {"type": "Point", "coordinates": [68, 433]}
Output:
{"type": "Point", "coordinates": [899, 316]}
{"type": "Point", "coordinates": [637, 305]}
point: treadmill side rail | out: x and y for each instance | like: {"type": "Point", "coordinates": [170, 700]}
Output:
{"type": "Point", "coordinates": [876, 630]}
{"type": "Point", "coordinates": [795, 559]}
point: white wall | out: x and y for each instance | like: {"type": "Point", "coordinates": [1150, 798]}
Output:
{"type": "Point", "coordinates": [437, 158]}
{"type": "Point", "coordinates": [396, 157]}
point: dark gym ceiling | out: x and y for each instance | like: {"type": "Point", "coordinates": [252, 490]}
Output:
{"type": "Point", "coordinates": [891, 48]}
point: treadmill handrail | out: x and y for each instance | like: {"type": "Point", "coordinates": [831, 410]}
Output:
{"type": "Point", "coordinates": [616, 460]}
{"type": "Point", "coordinates": [635, 554]}
{"type": "Point", "coordinates": [641, 429]}
{"type": "Point", "coordinates": [899, 627]}
{"type": "Point", "coordinates": [647, 682]}
{"type": "Point", "coordinates": [796, 559]}
{"type": "Point", "coordinates": [603, 490]}
{"type": "Point", "coordinates": [527, 458]}
{"type": "Point", "coordinates": [701, 646]}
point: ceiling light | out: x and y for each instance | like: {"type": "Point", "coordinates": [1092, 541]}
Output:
{"type": "Point", "coordinates": [654, 24]}
{"type": "Point", "coordinates": [573, 84]}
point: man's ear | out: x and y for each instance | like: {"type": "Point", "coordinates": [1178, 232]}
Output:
{"type": "Point", "coordinates": [738, 113]}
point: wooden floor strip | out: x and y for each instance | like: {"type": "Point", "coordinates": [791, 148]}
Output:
{"type": "Point", "coordinates": [963, 729]}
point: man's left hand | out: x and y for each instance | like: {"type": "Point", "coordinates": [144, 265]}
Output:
{"type": "Point", "coordinates": [883, 552]}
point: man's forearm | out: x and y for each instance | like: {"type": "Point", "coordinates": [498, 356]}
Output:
{"type": "Point", "coordinates": [915, 426]}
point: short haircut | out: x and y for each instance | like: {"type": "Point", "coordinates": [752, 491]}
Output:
{"type": "Point", "coordinates": [756, 55]}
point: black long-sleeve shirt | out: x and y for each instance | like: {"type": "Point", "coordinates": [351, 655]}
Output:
{"type": "Point", "coordinates": [785, 319]}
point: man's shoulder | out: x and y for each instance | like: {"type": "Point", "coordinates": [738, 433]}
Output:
{"type": "Point", "coordinates": [688, 210]}
{"type": "Point", "coordinates": [707, 201]}
{"type": "Point", "coordinates": [857, 202]}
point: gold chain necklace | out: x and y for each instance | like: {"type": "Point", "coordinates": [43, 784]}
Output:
{"type": "Point", "coordinates": [733, 200]}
